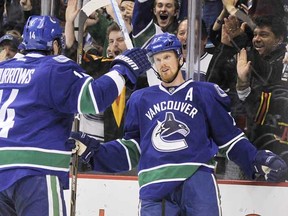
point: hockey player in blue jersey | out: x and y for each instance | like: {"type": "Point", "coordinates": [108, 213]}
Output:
{"type": "Point", "coordinates": [172, 132]}
{"type": "Point", "coordinates": [39, 94]}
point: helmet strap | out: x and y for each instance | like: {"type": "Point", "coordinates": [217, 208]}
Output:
{"type": "Point", "coordinates": [56, 47]}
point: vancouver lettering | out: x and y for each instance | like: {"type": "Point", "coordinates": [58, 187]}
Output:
{"type": "Point", "coordinates": [184, 107]}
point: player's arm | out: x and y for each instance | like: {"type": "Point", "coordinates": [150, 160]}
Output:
{"type": "Point", "coordinates": [233, 143]}
{"type": "Point", "coordinates": [126, 68]}
{"type": "Point", "coordinates": [113, 156]}
{"type": "Point", "coordinates": [257, 162]}
{"type": "Point", "coordinates": [88, 96]}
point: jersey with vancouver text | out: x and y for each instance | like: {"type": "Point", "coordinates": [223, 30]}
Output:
{"type": "Point", "coordinates": [172, 132]}
{"type": "Point", "coordinates": [38, 98]}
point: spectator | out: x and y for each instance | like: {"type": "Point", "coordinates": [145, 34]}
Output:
{"type": "Point", "coordinates": [70, 40]}
{"type": "Point", "coordinates": [116, 41]}
{"type": "Point", "coordinates": [107, 125]}
{"type": "Point", "coordinates": [205, 57]}
{"type": "Point", "coordinates": [152, 17]}
{"type": "Point", "coordinates": [165, 14]}
{"type": "Point", "coordinates": [262, 86]}
{"type": "Point", "coordinates": [175, 148]}
{"type": "Point", "coordinates": [215, 31]}
{"type": "Point", "coordinates": [98, 22]}
{"type": "Point", "coordinates": [104, 125]}
{"type": "Point", "coordinates": [126, 8]}
{"type": "Point", "coordinates": [70, 15]}
{"type": "Point", "coordinates": [239, 7]}
{"type": "Point", "coordinates": [9, 47]}
{"type": "Point", "coordinates": [265, 58]}
{"type": "Point", "coordinates": [13, 28]}
{"type": "Point", "coordinates": [28, 9]}
{"type": "Point", "coordinates": [222, 67]}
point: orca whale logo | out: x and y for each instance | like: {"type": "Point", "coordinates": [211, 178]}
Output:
{"type": "Point", "coordinates": [166, 129]}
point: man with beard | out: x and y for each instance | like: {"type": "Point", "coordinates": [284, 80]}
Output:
{"type": "Point", "coordinates": [172, 132]}
{"type": "Point", "coordinates": [40, 92]}
{"type": "Point", "coordinates": [205, 57]}
{"type": "Point", "coordinates": [109, 124]}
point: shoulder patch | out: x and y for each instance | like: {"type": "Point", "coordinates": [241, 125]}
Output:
{"type": "Point", "coordinates": [61, 58]}
{"type": "Point", "coordinates": [220, 91]}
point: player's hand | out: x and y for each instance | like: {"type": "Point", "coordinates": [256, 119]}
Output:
{"type": "Point", "coordinates": [131, 64]}
{"type": "Point", "coordinates": [270, 165]}
{"type": "Point", "coordinates": [84, 145]}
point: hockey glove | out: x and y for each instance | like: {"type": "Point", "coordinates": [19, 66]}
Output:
{"type": "Point", "coordinates": [131, 64]}
{"type": "Point", "coordinates": [270, 165]}
{"type": "Point", "coordinates": [85, 145]}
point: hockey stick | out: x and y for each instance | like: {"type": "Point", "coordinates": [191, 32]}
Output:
{"type": "Point", "coordinates": [74, 172]}
{"type": "Point", "coordinates": [84, 13]}
{"type": "Point", "coordinates": [74, 160]}
{"type": "Point", "coordinates": [121, 24]}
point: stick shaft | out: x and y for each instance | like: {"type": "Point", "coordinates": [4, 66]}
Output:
{"type": "Point", "coordinates": [84, 13]}
{"type": "Point", "coordinates": [121, 23]}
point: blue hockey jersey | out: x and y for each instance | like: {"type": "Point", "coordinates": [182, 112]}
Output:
{"type": "Point", "coordinates": [38, 98]}
{"type": "Point", "coordinates": [170, 133]}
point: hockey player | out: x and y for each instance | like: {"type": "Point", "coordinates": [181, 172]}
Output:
{"type": "Point", "coordinates": [173, 131]}
{"type": "Point", "coordinates": [39, 94]}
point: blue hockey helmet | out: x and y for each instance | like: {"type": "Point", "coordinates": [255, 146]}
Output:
{"type": "Point", "coordinates": [164, 42]}
{"type": "Point", "coordinates": [40, 32]}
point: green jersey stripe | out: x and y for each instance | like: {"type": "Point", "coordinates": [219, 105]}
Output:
{"type": "Point", "coordinates": [86, 100]}
{"type": "Point", "coordinates": [161, 174]}
{"type": "Point", "coordinates": [133, 151]}
{"type": "Point", "coordinates": [36, 158]}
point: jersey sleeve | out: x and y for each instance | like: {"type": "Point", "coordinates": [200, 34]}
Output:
{"type": "Point", "coordinates": [122, 154]}
{"type": "Point", "coordinates": [72, 90]}
{"type": "Point", "coordinates": [116, 156]}
{"type": "Point", "coordinates": [231, 141]}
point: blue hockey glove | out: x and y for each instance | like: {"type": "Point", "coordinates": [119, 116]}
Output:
{"type": "Point", "coordinates": [270, 165]}
{"type": "Point", "coordinates": [131, 64]}
{"type": "Point", "coordinates": [85, 145]}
